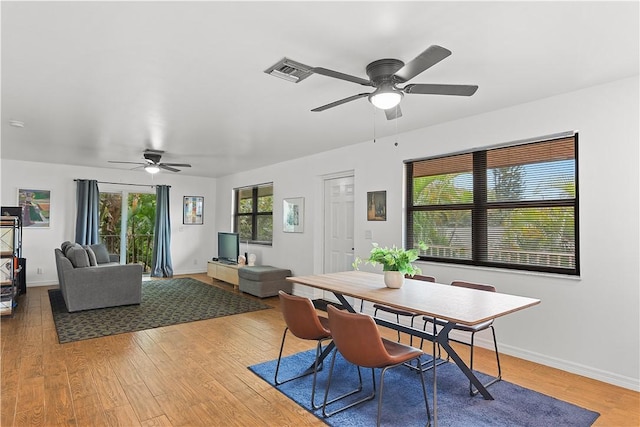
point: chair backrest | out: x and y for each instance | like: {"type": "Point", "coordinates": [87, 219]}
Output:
{"type": "Point", "coordinates": [301, 317]}
{"type": "Point", "coordinates": [471, 285]}
{"type": "Point", "coordinates": [357, 338]}
{"type": "Point", "coordinates": [421, 277]}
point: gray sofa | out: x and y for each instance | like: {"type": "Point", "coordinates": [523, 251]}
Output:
{"type": "Point", "coordinates": [90, 278]}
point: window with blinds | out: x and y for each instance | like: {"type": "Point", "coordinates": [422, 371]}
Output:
{"type": "Point", "coordinates": [510, 207]}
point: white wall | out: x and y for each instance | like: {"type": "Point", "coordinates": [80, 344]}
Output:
{"type": "Point", "coordinates": [192, 245]}
{"type": "Point", "coordinates": [588, 325]}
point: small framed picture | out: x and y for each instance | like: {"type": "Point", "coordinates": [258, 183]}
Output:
{"type": "Point", "coordinates": [377, 206]}
{"type": "Point", "coordinates": [36, 207]}
{"type": "Point", "coordinates": [193, 210]}
{"type": "Point", "coordinates": [293, 215]}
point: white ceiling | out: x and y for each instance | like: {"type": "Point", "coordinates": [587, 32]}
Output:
{"type": "Point", "coordinates": [100, 81]}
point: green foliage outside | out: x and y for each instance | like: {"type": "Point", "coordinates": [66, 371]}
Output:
{"type": "Point", "coordinates": [141, 213]}
{"type": "Point", "coordinates": [264, 227]}
{"type": "Point", "coordinates": [543, 229]}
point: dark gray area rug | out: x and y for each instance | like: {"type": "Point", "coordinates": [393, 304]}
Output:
{"type": "Point", "coordinates": [403, 404]}
{"type": "Point", "coordinates": [164, 302]}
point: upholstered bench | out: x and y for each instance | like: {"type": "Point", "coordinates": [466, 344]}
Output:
{"type": "Point", "coordinates": [263, 280]}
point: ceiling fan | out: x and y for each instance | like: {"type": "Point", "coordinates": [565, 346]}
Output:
{"type": "Point", "coordinates": [386, 74]}
{"type": "Point", "coordinates": [152, 162]}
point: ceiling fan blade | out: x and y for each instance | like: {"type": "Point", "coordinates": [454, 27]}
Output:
{"type": "Point", "coordinates": [169, 168]}
{"type": "Point", "coordinates": [341, 76]}
{"type": "Point", "coordinates": [426, 59]}
{"type": "Point", "coordinates": [129, 163]}
{"type": "Point", "coordinates": [340, 102]}
{"type": "Point", "coordinates": [393, 113]}
{"type": "Point", "coordinates": [180, 165]}
{"type": "Point", "coordinates": [437, 89]}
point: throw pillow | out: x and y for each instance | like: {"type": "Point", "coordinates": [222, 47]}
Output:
{"type": "Point", "coordinates": [68, 248]}
{"type": "Point", "coordinates": [100, 250]}
{"type": "Point", "coordinates": [65, 245]}
{"type": "Point", "coordinates": [78, 257]}
{"type": "Point", "coordinates": [92, 255]}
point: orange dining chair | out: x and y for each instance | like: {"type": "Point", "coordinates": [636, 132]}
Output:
{"type": "Point", "coordinates": [358, 339]}
{"type": "Point", "coordinates": [472, 330]}
{"type": "Point", "coordinates": [303, 322]}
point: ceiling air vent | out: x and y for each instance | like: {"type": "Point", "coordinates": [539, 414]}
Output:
{"type": "Point", "coordinates": [289, 70]}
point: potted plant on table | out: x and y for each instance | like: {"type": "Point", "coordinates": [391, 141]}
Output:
{"type": "Point", "coordinates": [396, 262]}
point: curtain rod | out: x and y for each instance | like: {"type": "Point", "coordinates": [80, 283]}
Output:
{"type": "Point", "coordinates": [124, 183]}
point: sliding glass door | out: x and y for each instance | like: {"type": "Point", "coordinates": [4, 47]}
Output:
{"type": "Point", "coordinates": [134, 241]}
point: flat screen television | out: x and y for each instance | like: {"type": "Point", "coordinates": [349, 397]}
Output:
{"type": "Point", "coordinates": [228, 247]}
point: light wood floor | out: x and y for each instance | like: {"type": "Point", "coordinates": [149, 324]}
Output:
{"type": "Point", "coordinates": [195, 374]}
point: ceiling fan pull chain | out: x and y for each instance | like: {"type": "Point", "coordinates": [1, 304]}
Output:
{"type": "Point", "coordinates": [374, 124]}
{"type": "Point", "coordinates": [396, 107]}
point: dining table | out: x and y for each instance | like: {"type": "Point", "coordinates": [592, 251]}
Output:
{"type": "Point", "coordinates": [451, 305]}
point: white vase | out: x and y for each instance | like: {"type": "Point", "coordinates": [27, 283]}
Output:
{"type": "Point", "coordinates": [393, 279]}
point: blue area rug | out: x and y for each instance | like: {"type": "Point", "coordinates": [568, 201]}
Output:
{"type": "Point", "coordinates": [403, 404]}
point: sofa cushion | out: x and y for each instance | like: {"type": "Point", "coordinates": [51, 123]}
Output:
{"type": "Point", "coordinates": [78, 256]}
{"type": "Point", "coordinates": [92, 256]}
{"type": "Point", "coordinates": [100, 250]}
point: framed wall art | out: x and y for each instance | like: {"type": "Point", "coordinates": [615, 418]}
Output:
{"type": "Point", "coordinates": [377, 206]}
{"type": "Point", "coordinates": [193, 210]}
{"type": "Point", "coordinates": [293, 215]}
{"type": "Point", "coordinates": [36, 207]}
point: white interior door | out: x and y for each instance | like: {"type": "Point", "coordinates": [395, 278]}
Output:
{"type": "Point", "coordinates": [338, 226]}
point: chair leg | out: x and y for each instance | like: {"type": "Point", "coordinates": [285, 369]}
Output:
{"type": "Point", "coordinates": [411, 336]}
{"type": "Point", "coordinates": [326, 413]}
{"type": "Point", "coordinates": [472, 390]}
{"type": "Point", "coordinates": [380, 393]}
{"type": "Point", "coordinates": [316, 367]}
{"type": "Point", "coordinates": [425, 366]}
{"type": "Point", "coordinates": [284, 336]}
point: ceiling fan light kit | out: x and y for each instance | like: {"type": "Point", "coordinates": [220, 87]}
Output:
{"type": "Point", "coordinates": [386, 97]}
{"type": "Point", "coordinates": [152, 169]}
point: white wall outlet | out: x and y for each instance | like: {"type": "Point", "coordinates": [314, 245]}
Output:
{"type": "Point", "coordinates": [39, 270]}
{"type": "Point", "coordinates": [195, 262]}
{"type": "Point", "coordinates": [367, 234]}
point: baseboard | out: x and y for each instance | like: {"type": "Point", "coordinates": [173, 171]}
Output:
{"type": "Point", "coordinates": [568, 366]}
{"type": "Point", "coordinates": [179, 273]}
{"type": "Point", "coordinates": [32, 284]}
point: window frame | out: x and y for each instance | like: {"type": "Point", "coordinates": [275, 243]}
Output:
{"type": "Point", "coordinates": [254, 214]}
{"type": "Point", "coordinates": [481, 207]}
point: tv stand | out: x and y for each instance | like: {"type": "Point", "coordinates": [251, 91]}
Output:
{"type": "Point", "coordinates": [223, 271]}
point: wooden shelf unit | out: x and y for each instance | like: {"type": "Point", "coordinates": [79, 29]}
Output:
{"type": "Point", "coordinates": [224, 272]}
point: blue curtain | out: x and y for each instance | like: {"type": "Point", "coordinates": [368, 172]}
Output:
{"type": "Point", "coordinates": [87, 217]}
{"type": "Point", "coordinates": [161, 264]}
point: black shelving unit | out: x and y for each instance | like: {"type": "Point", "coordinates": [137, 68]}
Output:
{"type": "Point", "coordinates": [11, 273]}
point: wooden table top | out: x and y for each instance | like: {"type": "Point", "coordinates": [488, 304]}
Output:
{"type": "Point", "coordinates": [460, 305]}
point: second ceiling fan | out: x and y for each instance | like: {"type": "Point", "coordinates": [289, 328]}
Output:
{"type": "Point", "coordinates": [386, 74]}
